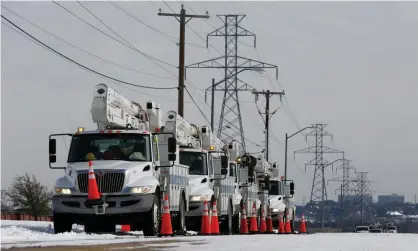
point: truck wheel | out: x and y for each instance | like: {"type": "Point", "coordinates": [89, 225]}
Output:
{"type": "Point", "coordinates": [181, 218]}
{"type": "Point", "coordinates": [153, 218]}
{"type": "Point", "coordinates": [236, 220]}
{"type": "Point", "coordinates": [62, 224]}
{"type": "Point", "coordinates": [229, 219]}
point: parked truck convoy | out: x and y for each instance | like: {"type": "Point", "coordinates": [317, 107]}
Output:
{"type": "Point", "coordinates": [138, 158]}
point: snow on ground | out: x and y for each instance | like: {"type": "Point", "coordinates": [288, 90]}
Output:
{"type": "Point", "coordinates": [41, 233]}
{"type": "Point", "coordinates": [26, 233]}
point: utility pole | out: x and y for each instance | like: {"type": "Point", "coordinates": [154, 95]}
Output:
{"type": "Point", "coordinates": [268, 94]}
{"type": "Point", "coordinates": [230, 122]}
{"type": "Point", "coordinates": [182, 19]}
{"type": "Point", "coordinates": [362, 189]}
{"type": "Point", "coordinates": [318, 192]}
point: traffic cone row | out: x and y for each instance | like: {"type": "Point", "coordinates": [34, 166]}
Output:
{"type": "Point", "coordinates": [209, 226]}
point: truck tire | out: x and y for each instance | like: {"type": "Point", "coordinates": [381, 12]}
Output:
{"type": "Point", "coordinates": [181, 218]}
{"type": "Point", "coordinates": [152, 218]}
{"type": "Point", "coordinates": [62, 223]}
{"type": "Point", "coordinates": [236, 220]}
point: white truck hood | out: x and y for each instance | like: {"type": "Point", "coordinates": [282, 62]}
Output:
{"type": "Point", "coordinates": [197, 188]}
{"type": "Point", "coordinates": [276, 202]}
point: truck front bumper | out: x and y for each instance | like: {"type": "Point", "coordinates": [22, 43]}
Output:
{"type": "Point", "coordinates": [117, 204]}
{"type": "Point", "coordinates": [195, 209]}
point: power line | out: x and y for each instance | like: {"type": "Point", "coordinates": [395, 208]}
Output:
{"type": "Point", "coordinates": [200, 110]}
{"type": "Point", "coordinates": [117, 40]}
{"type": "Point", "coordinates": [82, 66]}
{"type": "Point", "coordinates": [171, 38]}
{"type": "Point", "coordinates": [83, 50]}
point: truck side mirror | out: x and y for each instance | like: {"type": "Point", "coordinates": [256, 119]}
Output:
{"type": "Point", "coordinates": [53, 146]}
{"type": "Point", "coordinates": [292, 188]}
{"type": "Point", "coordinates": [251, 174]}
{"type": "Point", "coordinates": [172, 145]}
{"type": "Point", "coordinates": [52, 158]}
{"type": "Point", "coordinates": [267, 182]}
{"type": "Point", "coordinates": [224, 171]}
{"type": "Point", "coordinates": [172, 157]}
{"type": "Point", "coordinates": [224, 162]}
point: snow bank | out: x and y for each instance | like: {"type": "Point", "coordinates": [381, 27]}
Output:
{"type": "Point", "coordinates": [37, 233]}
{"type": "Point", "coordinates": [41, 233]}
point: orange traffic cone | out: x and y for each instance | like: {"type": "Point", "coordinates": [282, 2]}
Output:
{"type": "Point", "coordinates": [287, 228]}
{"type": "Point", "coordinates": [244, 225]}
{"type": "Point", "coordinates": [205, 228]}
{"type": "Point", "coordinates": [253, 221]}
{"type": "Point", "coordinates": [270, 229]}
{"type": "Point", "coordinates": [281, 225]}
{"type": "Point", "coordinates": [166, 228]}
{"type": "Point", "coordinates": [92, 190]}
{"type": "Point", "coordinates": [125, 228]}
{"type": "Point", "coordinates": [302, 229]}
{"type": "Point", "coordinates": [214, 223]}
{"type": "Point", "coordinates": [263, 227]}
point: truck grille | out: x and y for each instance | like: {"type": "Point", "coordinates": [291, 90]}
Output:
{"type": "Point", "coordinates": [107, 183]}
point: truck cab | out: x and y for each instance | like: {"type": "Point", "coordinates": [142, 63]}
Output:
{"type": "Point", "coordinates": [131, 162]}
{"type": "Point", "coordinates": [276, 199]}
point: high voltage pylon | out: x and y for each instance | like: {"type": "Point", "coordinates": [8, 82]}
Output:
{"type": "Point", "coordinates": [230, 122]}
{"type": "Point", "coordinates": [319, 192]}
{"type": "Point", "coordinates": [345, 184]}
{"type": "Point", "coordinates": [362, 190]}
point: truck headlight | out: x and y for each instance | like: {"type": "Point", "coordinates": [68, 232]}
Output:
{"type": "Point", "coordinates": [199, 198]}
{"type": "Point", "coordinates": [60, 190]}
{"type": "Point", "coordinates": [141, 189]}
{"type": "Point", "coordinates": [275, 210]}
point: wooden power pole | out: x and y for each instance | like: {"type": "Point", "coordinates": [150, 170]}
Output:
{"type": "Point", "coordinates": [182, 19]}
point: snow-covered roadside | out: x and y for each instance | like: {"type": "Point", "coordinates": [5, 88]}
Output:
{"type": "Point", "coordinates": [40, 233]}
{"type": "Point", "coordinates": [36, 233]}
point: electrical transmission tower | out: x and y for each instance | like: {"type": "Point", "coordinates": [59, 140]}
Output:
{"type": "Point", "coordinates": [362, 191]}
{"type": "Point", "coordinates": [319, 192]}
{"type": "Point", "coordinates": [230, 122]}
{"type": "Point", "coordinates": [345, 184]}
{"type": "Point", "coordinates": [268, 94]}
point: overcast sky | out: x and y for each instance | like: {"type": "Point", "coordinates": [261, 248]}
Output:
{"type": "Point", "coordinates": [352, 66]}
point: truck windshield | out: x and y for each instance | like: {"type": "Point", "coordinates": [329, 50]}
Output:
{"type": "Point", "coordinates": [196, 161]}
{"type": "Point", "coordinates": [128, 147]}
{"type": "Point", "coordinates": [275, 187]}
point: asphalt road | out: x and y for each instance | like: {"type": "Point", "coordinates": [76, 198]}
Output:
{"type": "Point", "coordinates": [132, 246]}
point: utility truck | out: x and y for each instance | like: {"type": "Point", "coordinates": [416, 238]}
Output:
{"type": "Point", "coordinates": [135, 166]}
{"type": "Point", "coordinates": [246, 192]}
{"type": "Point", "coordinates": [281, 200]}
{"type": "Point", "coordinates": [207, 158]}
{"type": "Point", "coordinates": [270, 190]}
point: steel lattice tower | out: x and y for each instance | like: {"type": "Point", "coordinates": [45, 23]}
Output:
{"type": "Point", "coordinates": [230, 123]}
{"type": "Point", "coordinates": [345, 178]}
{"type": "Point", "coordinates": [319, 192]}
{"type": "Point", "coordinates": [361, 190]}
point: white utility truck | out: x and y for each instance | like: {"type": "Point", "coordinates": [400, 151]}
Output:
{"type": "Point", "coordinates": [207, 158]}
{"type": "Point", "coordinates": [270, 191]}
{"type": "Point", "coordinates": [245, 191]}
{"type": "Point", "coordinates": [281, 200]}
{"type": "Point", "coordinates": [135, 167]}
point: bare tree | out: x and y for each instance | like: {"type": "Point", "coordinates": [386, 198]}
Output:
{"type": "Point", "coordinates": [30, 196]}
{"type": "Point", "coordinates": [6, 205]}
